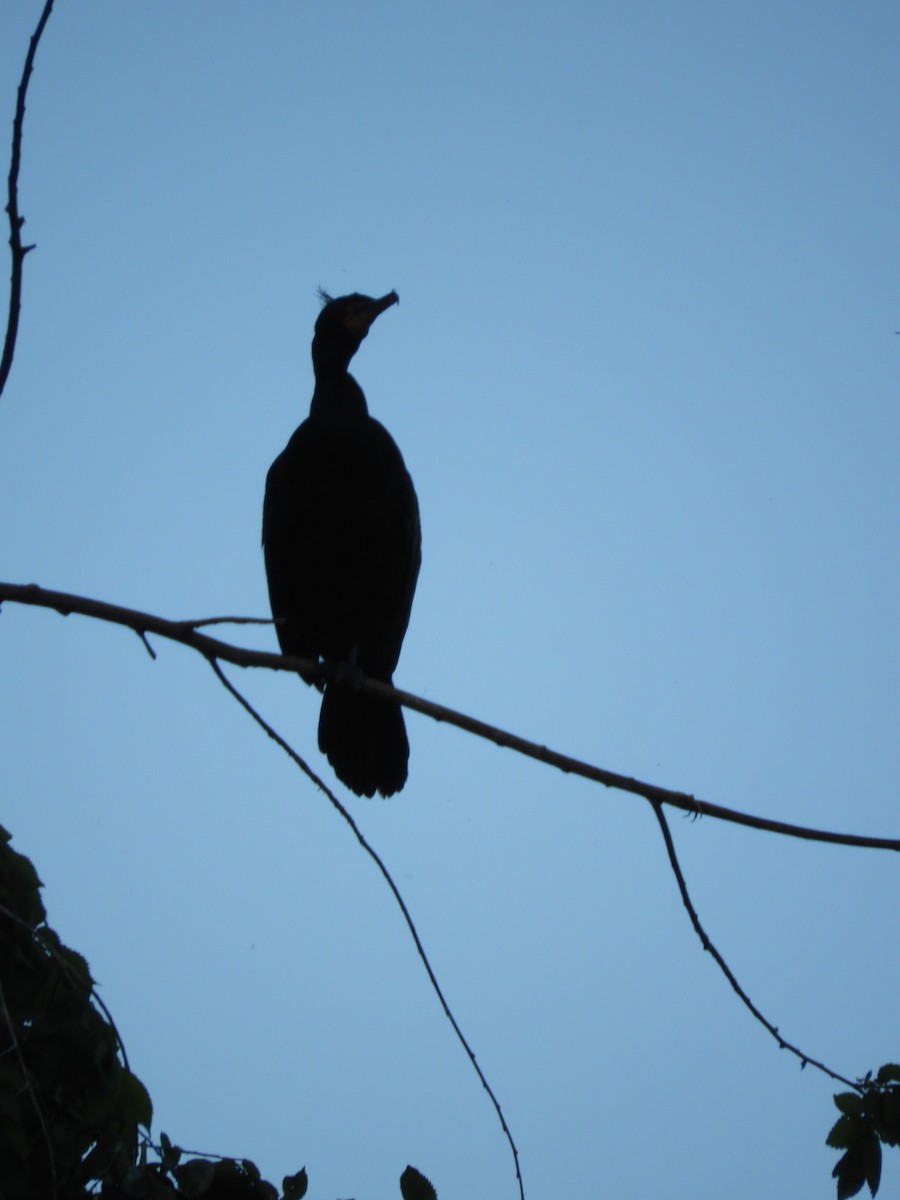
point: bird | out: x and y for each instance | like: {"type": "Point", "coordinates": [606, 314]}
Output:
{"type": "Point", "coordinates": [342, 544]}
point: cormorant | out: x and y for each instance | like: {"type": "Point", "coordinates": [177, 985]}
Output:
{"type": "Point", "coordinates": [342, 545]}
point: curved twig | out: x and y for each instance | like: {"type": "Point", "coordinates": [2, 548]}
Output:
{"type": "Point", "coordinates": [12, 205]}
{"type": "Point", "coordinates": [379, 863]}
{"type": "Point", "coordinates": [212, 648]}
{"type": "Point", "coordinates": [723, 965]}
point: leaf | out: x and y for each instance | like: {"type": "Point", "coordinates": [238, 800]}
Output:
{"type": "Point", "coordinates": [99, 1161]}
{"type": "Point", "coordinates": [849, 1102]}
{"type": "Point", "coordinates": [170, 1155]}
{"type": "Point", "coordinates": [294, 1186]}
{"type": "Point", "coordinates": [77, 964]}
{"type": "Point", "coordinates": [889, 1126]}
{"type": "Point", "coordinates": [889, 1073]}
{"type": "Point", "coordinates": [872, 1161]}
{"type": "Point", "coordinates": [195, 1177]}
{"type": "Point", "coordinates": [136, 1103]}
{"type": "Point", "coordinates": [844, 1133]}
{"type": "Point", "coordinates": [21, 886]}
{"type": "Point", "coordinates": [136, 1182]}
{"type": "Point", "coordinates": [850, 1173]}
{"type": "Point", "coordinates": [414, 1186]}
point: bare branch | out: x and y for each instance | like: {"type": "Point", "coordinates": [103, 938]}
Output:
{"type": "Point", "coordinates": [203, 621]}
{"type": "Point", "coordinates": [213, 649]}
{"type": "Point", "coordinates": [622, 783]}
{"type": "Point", "coordinates": [147, 645]}
{"type": "Point", "coordinates": [379, 863]}
{"type": "Point", "coordinates": [12, 206]}
{"type": "Point", "coordinates": [143, 623]}
{"type": "Point", "coordinates": [723, 965]}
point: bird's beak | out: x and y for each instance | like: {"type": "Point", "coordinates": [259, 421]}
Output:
{"type": "Point", "coordinates": [362, 319]}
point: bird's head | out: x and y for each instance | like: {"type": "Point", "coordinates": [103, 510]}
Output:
{"type": "Point", "coordinates": [342, 325]}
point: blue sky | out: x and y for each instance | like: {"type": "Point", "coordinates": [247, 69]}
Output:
{"type": "Point", "coordinates": [644, 373]}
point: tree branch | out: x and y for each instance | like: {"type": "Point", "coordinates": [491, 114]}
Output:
{"type": "Point", "coordinates": [388, 878]}
{"type": "Point", "coordinates": [12, 206]}
{"type": "Point", "coordinates": [723, 966]}
{"type": "Point", "coordinates": [213, 649]}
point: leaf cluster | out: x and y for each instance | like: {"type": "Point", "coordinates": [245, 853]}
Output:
{"type": "Point", "coordinates": [70, 1108]}
{"type": "Point", "coordinates": [170, 1177]}
{"type": "Point", "coordinates": [74, 1119]}
{"type": "Point", "coordinates": [869, 1119]}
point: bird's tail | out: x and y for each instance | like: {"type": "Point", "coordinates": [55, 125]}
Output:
{"type": "Point", "coordinates": [364, 739]}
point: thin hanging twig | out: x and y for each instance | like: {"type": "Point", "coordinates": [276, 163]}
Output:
{"type": "Point", "coordinates": [379, 863]}
{"type": "Point", "coordinates": [723, 966]}
{"type": "Point", "coordinates": [12, 205]}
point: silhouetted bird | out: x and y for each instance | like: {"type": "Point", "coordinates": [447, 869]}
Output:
{"type": "Point", "coordinates": [343, 547]}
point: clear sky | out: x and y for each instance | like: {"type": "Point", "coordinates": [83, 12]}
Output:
{"type": "Point", "coordinates": [644, 373]}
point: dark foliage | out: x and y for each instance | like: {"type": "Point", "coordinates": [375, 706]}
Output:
{"type": "Point", "coordinates": [414, 1186]}
{"type": "Point", "coordinates": [869, 1118]}
{"type": "Point", "coordinates": [71, 1108]}
{"type": "Point", "coordinates": [74, 1119]}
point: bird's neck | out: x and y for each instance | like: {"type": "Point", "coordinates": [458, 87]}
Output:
{"type": "Point", "coordinates": [338, 399]}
